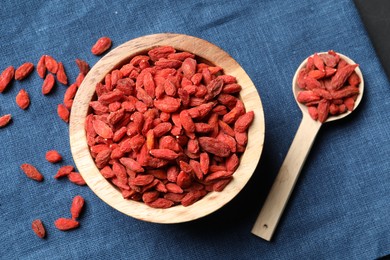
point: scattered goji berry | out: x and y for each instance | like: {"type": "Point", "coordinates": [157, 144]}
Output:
{"type": "Point", "coordinates": [5, 120]}
{"type": "Point", "coordinates": [24, 70]}
{"type": "Point", "coordinates": [69, 95]}
{"type": "Point", "coordinates": [61, 75]}
{"type": "Point", "coordinates": [53, 156]}
{"type": "Point", "coordinates": [48, 84]}
{"type": "Point", "coordinates": [23, 99]}
{"type": "Point", "coordinates": [31, 172]}
{"type": "Point", "coordinates": [64, 171]}
{"type": "Point", "coordinates": [76, 178]}
{"type": "Point", "coordinates": [101, 45]}
{"type": "Point", "coordinates": [51, 64]}
{"type": "Point", "coordinates": [63, 112]}
{"type": "Point", "coordinates": [41, 67]}
{"type": "Point", "coordinates": [65, 224]}
{"type": "Point", "coordinates": [83, 66]}
{"type": "Point", "coordinates": [38, 228]}
{"type": "Point", "coordinates": [6, 77]}
{"type": "Point", "coordinates": [77, 206]}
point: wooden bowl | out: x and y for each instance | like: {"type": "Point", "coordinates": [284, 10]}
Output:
{"type": "Point", "coordinates": [112, 196]}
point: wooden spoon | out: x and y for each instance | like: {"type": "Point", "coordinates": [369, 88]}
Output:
{"type": "Point", "coordinates": [284, 183]}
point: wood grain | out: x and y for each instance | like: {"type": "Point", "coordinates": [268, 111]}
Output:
{"type": "Point", "coordinates": [284, 183]}
{"type": "Point", "coordinates": [104, 190]}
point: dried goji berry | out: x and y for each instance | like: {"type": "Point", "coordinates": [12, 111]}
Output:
{"type": "Point", "coordinates": [24, 70]}
{"type": "Point", "coordinates": [218, 175]}
{"type": "Point", "coordinates": [311, 83]}
{"type": "Point", "coordinates": [323, 110]}
{"type": "Point", "coordinates": [192, 196]}
{"type": "Point", "coordinates": [76, 178]}
{"type": "Point", "coordinates": [5, 120]}
{"type": "Point", "coordinates": [79, 79]}
{"type": "Point", "coordinates": [174, 188]}
{"type": "Point", "coordinates": [63, 112]}
{"type": "Point", "coordinates": [349, 103]}
{"type": "Point", "coordinates": [342, 75]}
{"type": "Point", "coordinates": [318, 62]}
{"type": "Point", "coordinates": [48, 84]}
{"type": "Point", "coordinates": [196, 169]}
{"type": "Point", "coordinates": [38, 228]}
{"type": "Point", "coordinates": [189, 67]}
{"type": "Point", "coordinates": [313, 112]}
{"type": "Point", "coordinates": [77, 206]}
{"type": "Point", "coordinates": [354, 79]}
{"type": "Point", "coordinates": [345, 92]}
{"type": "Point", "coordinates": [102, 129]}
{"type": "Point", "coordinates": [31, 172]}
{"type": "Point", "coordinates": [186, 121]}
{"type": "Point", "coordinates": [23, 99]}
{"type": "Point", "coordinates": [220, 184]}
{"type": "Point", "coordinates": [183, 179]}
{"type": "Point", "coordinates": [150, 196]}
{"type": "Point", "coordinates": [161, 52]}
{"type": "Point", "coordinates": [69, 95]}
{"type": "Point", "coordinates": [142, 180]}
{"type": "Point", "coordinates": [214, 146]}
{"type": "Point", "coordinates": [329, 60]}
{"type": "Point", "coordinates": [51, 64]}
{"type": "Point", "coordinates": [167, 104]}
{"type": "Point", "coordinates": [61, 75]}
{"type": "Point", "coordinates": [64, 171]}
{"type": "Point", "coordinates": [132, 164]}
{"type": "Point", "coordinates": [214, 88]}
{"type": "Point", "coordinates": [6, 77]}
{"type": "Point", "coordinates": [102, 158]}
{"type": "Point", "coordinates": [65, 224]}
{"type": "Point", "coordinates": [165, 154]}
{"type": "Point", "coordinates": [101, 45]}
{"type": "Point", "coordinates": [334, 109]}
{"type": "Point", "coordinates": [41, 67]}
{"type": "Point", "coordinates": [83, 66]}
{"type": "Point", "coordinates": [53, 156]}
{"type": "Point", "coordinates": [107, 172]}
{"type": "Point", "coordinates": [316, 74]}
{"type": "Point", "coordinates": [174, 197]}
{"type": "Point", "coordinates": [161, 203]}
{"type": "Point", "coordinates": [242, 123]}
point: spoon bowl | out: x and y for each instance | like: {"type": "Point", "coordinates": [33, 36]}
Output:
{"type": "Point", "coordinates": [284, 183]}
{"type": "Point", "coordinates": [296, 89]}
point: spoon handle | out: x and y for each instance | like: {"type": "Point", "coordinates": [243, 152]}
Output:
{"type": "Point", "coordinates": [285, 180]}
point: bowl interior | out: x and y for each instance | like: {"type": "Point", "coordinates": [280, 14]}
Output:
{"type": "Point", "coordinates": [104, 189]}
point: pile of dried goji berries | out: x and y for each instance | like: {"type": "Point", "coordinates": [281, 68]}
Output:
{"type": "Point", "coordinates": [50, 70]}
{"type": "Point", "coordinates": [167, 129]}
{"type": "Point", "coordinates": [329, 85]}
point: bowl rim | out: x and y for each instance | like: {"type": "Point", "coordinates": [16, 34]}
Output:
{"type": "Point", "coordinates": [104, 189]}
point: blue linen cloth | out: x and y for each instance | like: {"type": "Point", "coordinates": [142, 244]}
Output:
{"type": "Point", "coordinates": [340, 207]}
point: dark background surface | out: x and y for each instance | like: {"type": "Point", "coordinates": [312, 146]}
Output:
{"type": "Point", "coordinates": [376, 18]}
